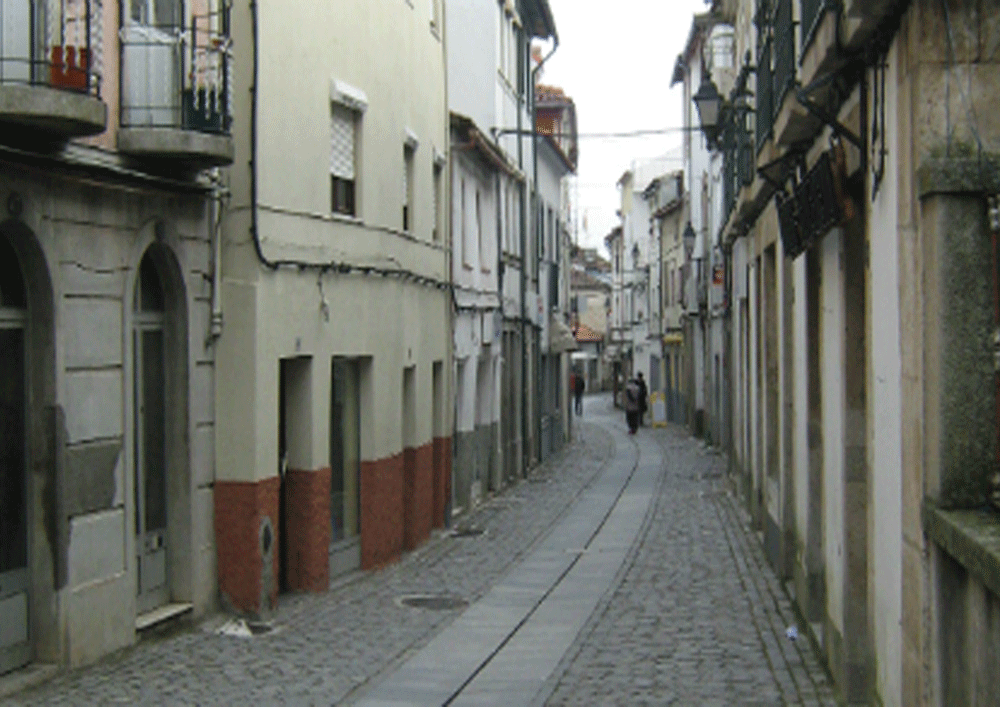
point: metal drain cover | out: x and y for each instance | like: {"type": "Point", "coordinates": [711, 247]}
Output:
{"type": "Point", "coordinates": [433, 602]}
{"type": "Point", "coordinates": [470, 531]}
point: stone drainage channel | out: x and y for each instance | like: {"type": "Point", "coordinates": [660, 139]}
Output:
{"type": "Point", "coordinates": [503, 648]}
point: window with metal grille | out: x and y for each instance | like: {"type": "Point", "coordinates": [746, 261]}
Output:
{"type": "Point", "coordinates": [343, 148]}
{"type": "Point", "coordinates": [784, 52]}
{"type": "Point", "coordinates": [436, 233]}
{"type": "Point", "coordinates": [812, 14]}
{"type": "Point", "coordinates": [764, 114]}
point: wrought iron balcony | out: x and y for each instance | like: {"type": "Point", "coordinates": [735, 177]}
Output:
{"type": "Point", "coordinates": [812, 13]}
{"type": "Point", "coordinates": [176, 81]}
{"type": "Point", "coordinates": [765, 97]}
{"type": "Point", "coordinates": [50, 67]}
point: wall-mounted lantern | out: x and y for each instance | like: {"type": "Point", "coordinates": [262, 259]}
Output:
{"type": "Point", "coordinates": [689, 238]}
{"type": "Point", "coordinates": [710, 105]}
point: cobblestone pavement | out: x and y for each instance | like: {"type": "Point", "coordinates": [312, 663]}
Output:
{"type": "Point", "coordinates": [328, 645]}
{"type": "Point", "coordinates": [697, 617]}
{"type": "Point", "coordinates": [694, 616]}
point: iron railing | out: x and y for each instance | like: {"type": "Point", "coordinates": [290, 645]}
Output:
{"type": "Point", "coordinates": [784, 52]}
{"type": "Point", "coordinates": [812, 14]}
{"type": "Point", "coordinates": [54, 43]}
{"type": "Point", "coordinates": [765, 98]}
{"type": "Point", "coordinates": [729, 183]}
{"type": "Point", "coordinates": [176, 71]}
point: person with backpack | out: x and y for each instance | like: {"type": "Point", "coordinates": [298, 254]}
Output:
{"type": "Point", "coordinates": [643, 396]}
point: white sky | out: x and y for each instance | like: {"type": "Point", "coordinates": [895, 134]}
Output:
{"type": "Point", "coordinates": [615, 60]}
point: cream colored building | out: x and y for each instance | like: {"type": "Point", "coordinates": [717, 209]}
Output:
{"type": "Point", "coordinates": [335, 394]}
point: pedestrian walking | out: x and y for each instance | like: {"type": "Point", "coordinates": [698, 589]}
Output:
{"type": "Point", "coordinates": [643, 396]}
{"type": "Point", "coordinates": [632, 393]}
{"type": "Point", "coordinates": [578, 387]}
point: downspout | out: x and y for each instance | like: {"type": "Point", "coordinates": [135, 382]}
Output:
{"type": "Point", "coordinates": [215, 215]}
{"type": "Point", "coordinates": [254, 92]}
{"type": "Point", "coordinates": [524, 255]}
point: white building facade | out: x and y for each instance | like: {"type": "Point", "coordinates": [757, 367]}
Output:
{"type": "Point", "coordinates": [495, 271]}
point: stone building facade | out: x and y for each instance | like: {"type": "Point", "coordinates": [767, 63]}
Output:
{"type": "Point", "coordinates": [108, 304]}
{"type": "Point", "coordinates": [860, 271]}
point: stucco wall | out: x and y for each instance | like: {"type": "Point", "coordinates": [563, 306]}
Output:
{"type": "Point", "coordinates": [885, 418]}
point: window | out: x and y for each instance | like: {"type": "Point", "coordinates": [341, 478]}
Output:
{"type": "Point", "coordinates": [407, 188]}
{"type": "Point", "coordinates": [464, 216]}
{"type": "Point", "coordinates": [522, 54]}
{"type": "Point", "coordinates": [343, 151]}
{"type": "Point", "coordinates": [436, 233]}
{"type": "Point", "coordinates": [479, 224]}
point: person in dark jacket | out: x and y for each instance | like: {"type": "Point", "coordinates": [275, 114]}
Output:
{"type": "Point", "coordinates": [631, 400]}
{"type": "Point", "coordinates": [643, 396]}
{"type": "Point", "coordinates": [578, 387]}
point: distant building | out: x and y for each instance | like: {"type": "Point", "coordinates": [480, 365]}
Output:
{"type": "Point", "coordinates": [590, 302]}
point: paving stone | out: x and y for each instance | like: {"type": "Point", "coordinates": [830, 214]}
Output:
{"type": "Point", "coordinates": [693, 616]}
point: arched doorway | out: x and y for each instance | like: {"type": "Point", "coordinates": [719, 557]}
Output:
{"type": "Point", "coordinates": [15, 646]}
{"type": "Point", "coordinates": [149, 353]}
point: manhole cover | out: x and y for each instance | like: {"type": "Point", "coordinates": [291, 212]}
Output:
{"type": "Point", "coordinates": [468, 532]}
{"type": "Point", "coordinates": [433, 602]}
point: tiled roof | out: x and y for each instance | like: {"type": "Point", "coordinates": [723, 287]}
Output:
{"type": "Point", "coordinates": [586, 335]}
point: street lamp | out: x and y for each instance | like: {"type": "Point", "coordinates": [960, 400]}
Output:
{"type": "Point", "coordinates": [710, 105]}
{"type": "Point", "coordinates": [689, 239]}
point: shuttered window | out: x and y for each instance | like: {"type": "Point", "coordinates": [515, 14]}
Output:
{"type": "Point", "coordinates": [342, 159]}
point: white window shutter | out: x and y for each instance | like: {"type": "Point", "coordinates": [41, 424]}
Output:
{"type": "Point", "coordinates": [342, 142]}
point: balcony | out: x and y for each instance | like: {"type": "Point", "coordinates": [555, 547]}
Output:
{"type": "Point", "coordinates": [50, 59]}
{"type": "Point", "coordinates": [176, 102]}
{"type": "Point", "coordinates": [792, 122]}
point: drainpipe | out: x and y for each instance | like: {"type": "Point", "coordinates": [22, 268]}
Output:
{"type": "Point", "coordinates": [524, 254]}
{"type": "Point", "coordinates": [217, 209]}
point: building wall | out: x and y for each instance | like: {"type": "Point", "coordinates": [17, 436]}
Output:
{"type": "Point", "coordinates": [80, 245]}
{"type": "Point", "coordinates": [315, 314]}
{"type": "Point", "coordinates": [886, 411]}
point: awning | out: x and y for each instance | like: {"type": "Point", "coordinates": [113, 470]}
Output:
{"type": "Point", "coordinates": [560, 336]}
{"type": "Point", "coordinates": [673, 339]}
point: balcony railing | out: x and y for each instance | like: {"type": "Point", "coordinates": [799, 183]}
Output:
{"type": "Point", "coordinates": [54, 43]}
{"type": "Point", "coordinates": [812, 15]}
{"type": "Point", "coordinates": [765, 98]}
{"type": "Point", "coordinates": [176, 70]}
{"type": "Point", "coordinates": [784, 52]}
{"type": "Point", "coordinates": [729, 187]}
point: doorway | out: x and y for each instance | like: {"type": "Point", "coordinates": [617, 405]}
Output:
{"type": "Point", "coordinates": [149, 371]}
{"type": "Point", "coordinates": [15, 646]}
{"type": "Point", "coordinates": [345, 466]}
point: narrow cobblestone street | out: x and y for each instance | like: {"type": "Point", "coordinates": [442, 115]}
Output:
{"type": "Point", "coordinates": [621, 572]}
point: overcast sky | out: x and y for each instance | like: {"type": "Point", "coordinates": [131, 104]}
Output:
{"type": "Point", "coordinates": [615, 60]}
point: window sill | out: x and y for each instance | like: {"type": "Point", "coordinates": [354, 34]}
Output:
{"type": "Point", "coordinates": [971, 537]}
{"type": "Point", "coordinates": [345, 218]}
